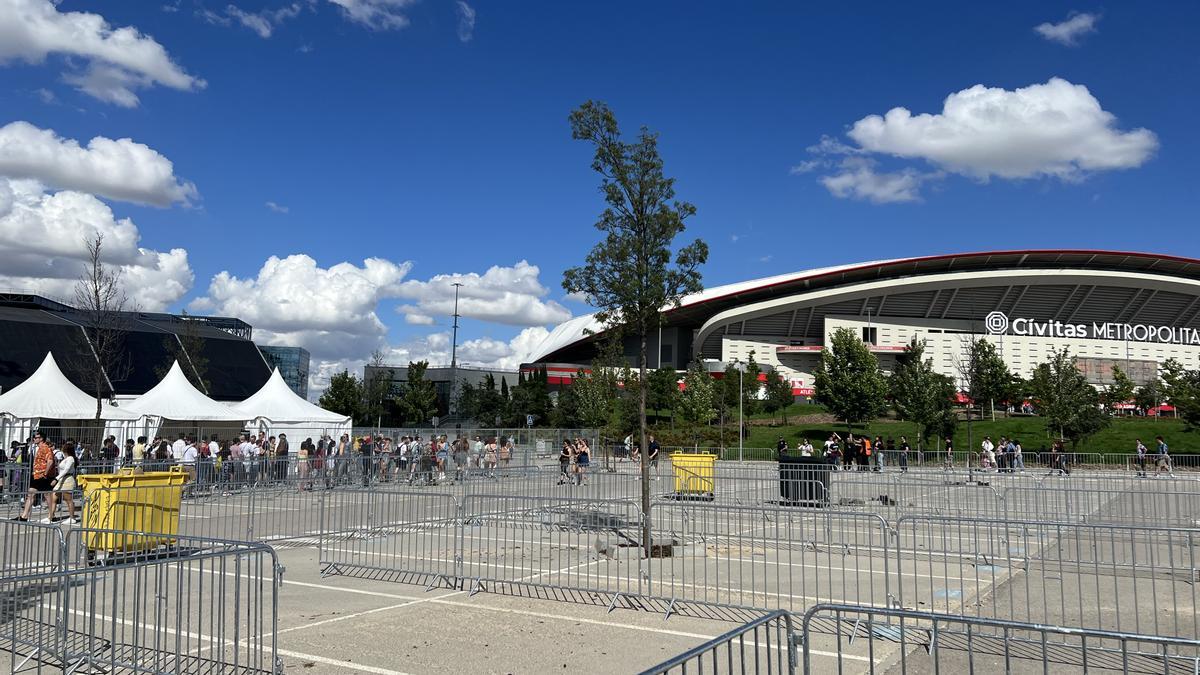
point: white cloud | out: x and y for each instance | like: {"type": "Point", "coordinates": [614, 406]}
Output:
{"type": "Point", "coordinates": [376, 14]}
{"type": "Point", "coordinates": [277, 208]}
{"type": "Point", "coordinates": [263, 21]}
{"type": "Point", "coordinates": [1068, 31]}
{"type": "Point", "coordinates": [413, 317]}
{"type": "Point", "coordinates": [292, 301]}
{"type": "Point", "coordinates": [117, 169]}
{"type": "Point", "coordinates": [42, 245]}
{"type": "Point", "coordinates": [466, 21]}
{"type": "Point", "coordinates": [46, 95]}
{"type": "Point", "coordinates": [1052, 129]}
{"type": "Point", "coordinates": [116, 60]}
{"type": "Point", "coordinates": [857, 179]}
{"type": "Point", "coordinates": [508, 295]}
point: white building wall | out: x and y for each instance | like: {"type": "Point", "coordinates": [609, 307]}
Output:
{"type": "Point", "coordinates": [946, 345]}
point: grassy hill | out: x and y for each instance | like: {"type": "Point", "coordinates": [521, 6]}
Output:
{"type": "Point", "coordinates": [810, 421]}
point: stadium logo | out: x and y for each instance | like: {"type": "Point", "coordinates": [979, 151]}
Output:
{"type": "Point", "coordinates": [996, 323]}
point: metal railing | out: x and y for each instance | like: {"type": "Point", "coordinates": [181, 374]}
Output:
{"type": "Point", "coordinates": [189, 605]}
{"type": "Point", "coordinates": [764, 645]}
{"type": "Point", "coordinates": [1138, 579]}
{"type": "Point", "coordinates": [878, 639]}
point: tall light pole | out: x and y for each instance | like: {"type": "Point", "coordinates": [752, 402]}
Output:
{"type": "Point", "coordinates": [451, 405]}
{"type": "Point", "coordinates": [740, 422]}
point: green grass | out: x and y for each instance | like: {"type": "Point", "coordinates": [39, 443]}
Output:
{"type": "Point", "coordinates": [1118, 438]}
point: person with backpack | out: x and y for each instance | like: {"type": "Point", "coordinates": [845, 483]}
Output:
{"type": "Point", "coordinates": [42, 479]}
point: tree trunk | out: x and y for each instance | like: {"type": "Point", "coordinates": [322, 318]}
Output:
{"type": "Point", "coordinates": [645, 453]}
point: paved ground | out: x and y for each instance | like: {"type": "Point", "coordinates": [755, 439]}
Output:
{"type": "Point", "coordinates": [742, 549]}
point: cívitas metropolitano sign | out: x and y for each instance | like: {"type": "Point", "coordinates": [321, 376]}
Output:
{"type": "Point", "coordinates": [998, 323]}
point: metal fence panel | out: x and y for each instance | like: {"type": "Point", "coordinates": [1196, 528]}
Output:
{"type": "Point", "coordinates": [1135, 579]}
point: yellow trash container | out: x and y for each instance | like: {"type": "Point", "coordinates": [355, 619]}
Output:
{"type": "Point", "coordinates": [695, 474]}
{"type": "Point", "coordinates": [122, 503]}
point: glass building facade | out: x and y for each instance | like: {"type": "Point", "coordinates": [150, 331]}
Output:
{"type": "Point", "coordinates": [292, 363]}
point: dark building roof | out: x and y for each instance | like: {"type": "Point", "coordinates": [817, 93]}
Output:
{"type": "Point", "coordinates": [31, 325]}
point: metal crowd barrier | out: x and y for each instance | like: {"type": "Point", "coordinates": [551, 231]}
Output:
{"type": "Point", "coordinates": [909, 641]}
{"type": "Point", "coordinates": [193, 606]}
{"type": "Point", "coordinates": [1138, 579]}
{"type": "Point", "coordinates": [764, 645]}
{"type": "Point", "coordinates": [709, 560]}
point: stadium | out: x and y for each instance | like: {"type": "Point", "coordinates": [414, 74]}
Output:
{"type": "Point", "coordinates": [1135, 310]}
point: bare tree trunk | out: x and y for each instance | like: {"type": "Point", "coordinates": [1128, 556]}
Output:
{"type": "Point", "coordinates": [644, 454]}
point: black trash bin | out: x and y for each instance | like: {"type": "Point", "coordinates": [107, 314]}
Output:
{"type": "Point", "coordinates": [803, 481]}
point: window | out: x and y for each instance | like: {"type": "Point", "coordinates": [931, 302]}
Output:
{"type": "Point", "coordinates": [870, 334]}
{"type": "Point", "coordinates": [666, 354]}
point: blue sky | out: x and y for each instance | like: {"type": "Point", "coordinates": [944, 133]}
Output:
{"type": "Point", "coordinates": [432, 136]}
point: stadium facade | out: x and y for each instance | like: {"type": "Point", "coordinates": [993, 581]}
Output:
{"type": "Point", "coordinates": [1134, 310]}
{"type": "Point", "coordinates": [31, 325]}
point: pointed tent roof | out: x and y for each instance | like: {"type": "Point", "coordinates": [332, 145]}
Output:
{"type": "Point", "coordinates": [277, 402]}
{"type": "Point", "coordinates": [49, 394]}
{"type": "Point", "coordinates": [176, 399]}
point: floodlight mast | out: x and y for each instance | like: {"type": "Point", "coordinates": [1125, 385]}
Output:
{"type": "Point", "coordinates": [451, 404]}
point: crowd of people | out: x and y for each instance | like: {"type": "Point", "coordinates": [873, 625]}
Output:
{"type": "Point", "coordinates": [44, 470]}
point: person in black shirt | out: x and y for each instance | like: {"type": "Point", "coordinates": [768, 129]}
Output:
{"type": "Point", "coordinates": [903, 454]}
{"type": "Point", "coordinates": [653, 455]}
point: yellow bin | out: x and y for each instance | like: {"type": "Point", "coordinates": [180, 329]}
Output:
{"type": "Point", "coordinates": [134, 511]}
{"type": "Point", "coordinates": [695, 473]}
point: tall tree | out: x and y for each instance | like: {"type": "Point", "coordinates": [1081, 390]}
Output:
{"type": "Point", "coordinates": [697, 403]}
{"type": "Point", "coordinates": [491, 405]}
{"type": "Point", "coordinates": [1119, 392]}
{"type": "Point", "coordinates": [187, 347]}
{"type": "Point", "coordinates": [1148, 396]}
{"type": "Point", "coordinates": [377, 388]}
{"type": "Point", "coordinates": [100, 297]}
{"type": "Point", "coordinates": [664, 385]}
{"type": "Point", "coordinates": [418, 398]}
{"type": "Point", "coordinates": [984, 373]}
{"type": "Point", "coordinates": [779, 395]}
{"type": "Point", "coordinates": [1070, 406]}
{"type": "Point", "coordinates": [920, 394]}
{"type": "Point", "coordinates": [1181, 388]}
{"type": "Point", "coordinates": [629, 275]}
{"type": "Point", "coordinates": [344, 395]}
{"type": "Point", "coordinates": [848, 380]}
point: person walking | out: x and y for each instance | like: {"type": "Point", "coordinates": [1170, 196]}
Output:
{"type": "Point", "coordinates": [41, 474]}
{"type": "Point", "coordinates": [1140, 458]}
{"type": "Point", "coordinates": [582, 459]}
{"type": "Point", "coordinates": [949, 462]}
{"type": "Point", "coordinates": [880, 452]}
{"type": "Point", "coordinates": [1163, 460]}
{"type": "Point", "coordinates": [904, 454]}
{"type": "Point", "coordinates": [1018, 456]}
{"type": "Point", "coordinates": [652, 450]}
{"type": "Point", "coordinates": [366, 450]}
{"type": "Point", "coordinates": [564, 462]}
{"type": "Point", "coordinates": [64, 486]}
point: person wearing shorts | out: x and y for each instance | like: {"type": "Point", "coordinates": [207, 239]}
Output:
{"type": "Point", "coordinates": [42, 478]}
{"type": "Point", "coordinates": [581, 462]}
{"type": "Point", "coordinates": [64, 486]}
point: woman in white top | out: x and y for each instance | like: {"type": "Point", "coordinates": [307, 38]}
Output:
{"type": "Point", "coordinates": [806, 448]}
{"type": "Point", "coordinates": [64, 484]}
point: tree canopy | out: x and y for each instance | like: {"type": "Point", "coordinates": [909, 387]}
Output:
{"type": "Point", "coordinates": [848, 381]}
{"type": "Point", "coordinates": [1065, 399]}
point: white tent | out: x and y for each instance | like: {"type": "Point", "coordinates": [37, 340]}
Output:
{"type": "Point", "coordinates": [175, 399]}
{"type": "Point", "coordinates": [275, 408]}
{"type": "Point", "coordinates": [48, 395]}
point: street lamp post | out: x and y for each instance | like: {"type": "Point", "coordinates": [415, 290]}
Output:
{"type": "Point", "coordinates": [453, 407]}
